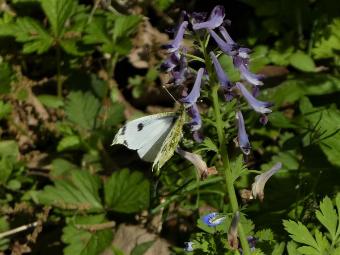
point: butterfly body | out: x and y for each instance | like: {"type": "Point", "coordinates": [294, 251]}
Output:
{"type": "Point", "coordinates": [154, 137]}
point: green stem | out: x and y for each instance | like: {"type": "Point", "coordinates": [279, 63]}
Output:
{"type": "Point", "coordinates": [59, 79]}
{"type": "Point", "coordinates": [226, 166]}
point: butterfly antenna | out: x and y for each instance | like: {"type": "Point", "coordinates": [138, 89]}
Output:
{"type": "Point", "coordinates": [166, 89]}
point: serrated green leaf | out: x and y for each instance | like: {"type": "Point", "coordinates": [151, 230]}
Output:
{"type": "Point", "coordinates": [125, 25]}
{"type": "Point", "coordinates": [322, 241]}
{"type": "Point", "coordinates": [69, 143]}
{"type": "Point", "coordinates": [265, 235]}
{"type": "Point", "coordinates": [299, 233]}
{"type": "Point", "coordinates": [142, 248]}
{"type": "Point", "coordinates": [238, 168]}
{"type": "Point", "coordinates": [35, 38]}
{"type": "Point", "coordinates": [307, 250]}
{"type": "Point", "coordinates": [79, 191]}
{"type": "Point", "coordinates": [83, 242]}
{"type": "Point", "coordinates": [327, 216]}
{"type": "Point", "coordinates": [302, 61]}
{"type": "Point", "coordinates": [82, 109]}
{"type": "Point", "coordinates": [58, 12]}
{"type": "Point", "coordinates": [292, 248]}
{"type": "Point", "coordinates": [127, 192]}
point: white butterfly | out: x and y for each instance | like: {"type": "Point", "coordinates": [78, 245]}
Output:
{"type": "Point", "coordinates": [155, 137]}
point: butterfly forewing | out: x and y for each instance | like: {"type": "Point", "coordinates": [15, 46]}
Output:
{"type": "Point", "coordinates": [146, 134]}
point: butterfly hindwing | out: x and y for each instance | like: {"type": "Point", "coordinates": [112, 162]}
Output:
{"type": "Point", "coordinates": [146, 134]}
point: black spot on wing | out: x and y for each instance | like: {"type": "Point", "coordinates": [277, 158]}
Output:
{"type": "Point", "coordinates": [125, 143]}
{"type": "Point", "coordinates": [140, 126]}
{"type": "Point", "coordinates": [123, 130]}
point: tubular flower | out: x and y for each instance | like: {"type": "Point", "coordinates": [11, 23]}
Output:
{"type": "Point", "coordinates": [175, 44]}
{"type": "Point", "coordinates": [227, 48]}
{"type": "Point", "coordinates": [226, 36]}
{"type": "Point", "coordinates": [243, 140]}
{"type": "Point", "coordinates": [261, 180]}
{"type": "Point", "coordinates": [179, 73]}
{"type": "Point", "coordinates": [215, 19]}
{"type": "Point", "coordinates": [232, 233]}
{"type": "Point", "coordinates": [213, 219]}
{"type": "Point", "coordinates": [221, 75]}
{"type": "Point", "coordinates": [257, 105]}
{"type": "Point", "coordinates": [196, 121]}
{"type": "Point", "coordinates": [171, 62]}
{"type": "Point", "coordinates": [194, 94]}
{"type": "Point", "coordinates": [201, 167]}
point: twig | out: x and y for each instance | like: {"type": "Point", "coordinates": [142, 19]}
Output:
{"type": "Point", "coordinates": [18, 229]}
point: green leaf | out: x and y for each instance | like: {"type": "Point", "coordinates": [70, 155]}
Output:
{"type": "Point", "coordinates": [302, 61]}
{"type": "Point", "coordinates": [238, 168]}
{"type": "Point", "coordinates": [265, 235]}
{"type": "Point", "coordinates": [97, 32]}
{"type": "Point", "coordinates": [82, 109]}
{"type": "Point", "coordinates": [5, 110]}
{"type": "Point", "coordinates": [279, 249]}
{"type": "Point", "coordinates": [61, 167]}
{"type": "Point", "coordinates": [125, 25]}
{"type": "Point", "coordinates": [142, 248]}
{"type": "Point", "coordinates": [79, 191]}
{"type": "Point", "coordinates": [69, 143]}
{"type": "Point", "coordinates": [127, 192]}
{"type": "Point", "coordinates": [292, 248]}
{"type": "Point", "coordinates": [162, 5]}
{"type": "Point", "coordinates": [307, 250]}
{"type": "Point", "coordinates": [6, 74]}
{"type": "Point", "coordinates": [327, 216]}
{"type": "Point", "coordinates": [58, 12]}
{"type": "Point", "coordinates": [9, 148]}
{"type": "Point", "coordinates": [51, 101]}
{"type": "Point", "coordinates": [84, 242]}
{"type": "Point", "coordinates": [299, 233]}
{"type": "Point", "coordinates": [35, 38]}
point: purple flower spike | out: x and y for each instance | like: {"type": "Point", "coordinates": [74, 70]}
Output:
{"type": "Point", "coordinates": [176, 42]}
{"type": "Point", "coordinates": [196, 121]}
{"type": "Point", "coordinates": [215, 19]}
{"type": "Point", "coordinates": [227, 48]}
{"type": "Point", "coordinates": [221, 75]}
{"type": "Point", "coordinates": [213, 219]}
{"type": "Point", "coordinates": [243, 140]}
{"type": "Point", "coordinates": [191, 99]}
{"type": "Point", "coordinates": [257, 105]}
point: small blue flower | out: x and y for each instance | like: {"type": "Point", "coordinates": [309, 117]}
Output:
{"type": "Point", "coordinates": [227, 48]}
{"type": "Point", "coordinates": [194, 94]}
{"type": "Point", "coordinates": [213, 219]}
{"type": "Point", "coordinates": [176, 42]}
{"type": "Point", "coordinates": [243, 140]}
{"type": "Point", "coordinates": [215, 19]}
{"type": "Point", "coordinates": [179, 72]}
{"type": "Point", "coordinates": [171, 62]}
{"type": "Point", "coordinates": [241, 63]}
{"type": "Point", "coordinates": [188, 246]}
{"type": "Point", "coordinates": [257, 105]}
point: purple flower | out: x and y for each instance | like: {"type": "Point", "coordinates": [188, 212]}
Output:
{"type": "Point", "coordinates": [171, 62]}
{"type": "Point", "coordinates": [241, 63]}
{"type": "Point", "coordinates": [252, 242]}
{"type": "Point", "coordinates": [221, 75]}
{"type": "Point", "coordinates": [233, 233]}
{"type": "Point", "coordinates": [196, 121]}
{"type": "Point", "coordinates": [213, 219]}
{"type": "Point", "coordinates": [215, 19]}
{"type": "Point", "coordinates": [227, 48]}
{"type": "Point", "coordinates": [226, 36]}
{"type": "Point", "coordinates": [257, 105]}
{"type": "Point", "coordinates": [192, 97]}
{"type": "Point", "coordinates": [257, 187]}
{"type": "Point", "coordinates": [243, 140]}
{"type": "Point", "coordinates": [176, 42]}
{"type": "Point", "coordinates": [179, 72]}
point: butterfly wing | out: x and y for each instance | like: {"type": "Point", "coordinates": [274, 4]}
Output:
{"type": "Point", "coordinates": [146, 134]}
